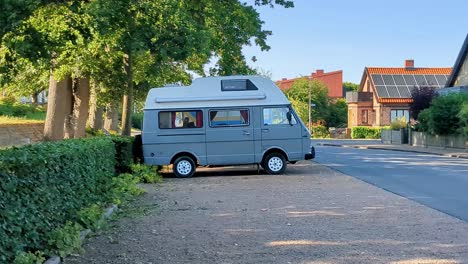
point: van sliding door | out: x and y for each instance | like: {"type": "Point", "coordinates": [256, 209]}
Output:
{"type": "Point", "coordinates": [230, 137]}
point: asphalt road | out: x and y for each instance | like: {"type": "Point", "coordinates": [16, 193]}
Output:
{"type": "Point", "coordinates": [438, 182]}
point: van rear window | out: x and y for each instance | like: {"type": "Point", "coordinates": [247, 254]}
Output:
{"type": "Point", "coordinates": [180, 119]}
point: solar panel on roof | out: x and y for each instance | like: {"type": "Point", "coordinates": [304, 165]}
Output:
{"type": "Point", "coordinates": [431, 80]}
{"type": "Point", "coordinates": [409, 79]}
{"type": "Point", "coordinates": [441, 80]}
{"type": "Point", "coordinates": [381, 90]}
{"type": "Point", "coordinates": [388, 80]}
{"type": "Point", "coordinates": [404, 92]}
{"type": "Point", "coordinates": [399, 80]}
{"type": "Point", "coordinates": [392, 91]}
{"type": "Point", "coordinates": [420, 80]}
{"type": "Point", "coordinates": [377, 78]}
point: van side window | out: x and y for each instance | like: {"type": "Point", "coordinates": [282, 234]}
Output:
{"type": "Point", "coordinates": [179, 119]}
{"type": "Point", "coordinates": [277, 116]}
{"type": "Point", "coordinates": [229, 117]}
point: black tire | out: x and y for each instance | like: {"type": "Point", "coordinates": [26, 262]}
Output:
{"type": "Point", "coordinates": [274, 163]}
{"type": "Point", "coordinates": [184, 167]}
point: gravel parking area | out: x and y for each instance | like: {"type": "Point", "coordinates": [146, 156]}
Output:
{"type": "Point", "coordinates": [312, 215]}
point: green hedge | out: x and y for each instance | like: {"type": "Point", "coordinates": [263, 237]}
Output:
{"type": "Point", "coordinates": [320, 132]}
{"type": "Point", "coordinates": [365, 132]}
{"type": "Point", "coordinates": [123, 153]}
{"type": "Point", "coordinates": [45, 185]}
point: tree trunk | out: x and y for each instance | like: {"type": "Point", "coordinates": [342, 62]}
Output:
{"type": "Point", "coordinates": [95, 120]}
{"type": "Point", "coordinates": [111, 121]}
{"type": "Point", "coordinates": [128, 97]}
{"type": "Point", "coordinates": [69, 126]}
{"type": "Point", "coordinates": [81, 106]}
{"type": "Point", "coordinates": [59, 101]}
{"type": "Point", "coordinates": [34, 100]}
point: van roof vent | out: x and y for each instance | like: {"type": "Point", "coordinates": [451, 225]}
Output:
{"type": "Point", "coordinates": [237, 85]}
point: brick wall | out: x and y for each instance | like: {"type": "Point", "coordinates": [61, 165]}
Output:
{"type": "Point", "coordinates": [20, 134]}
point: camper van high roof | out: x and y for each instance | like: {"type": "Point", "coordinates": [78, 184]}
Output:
{"type": "Point", "coordinates": [218, 91]}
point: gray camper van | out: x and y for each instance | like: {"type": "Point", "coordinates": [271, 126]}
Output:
{"type": "Point", "coordinates": [229, 120]}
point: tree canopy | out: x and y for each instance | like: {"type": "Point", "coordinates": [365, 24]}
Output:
{"type": "Point", "coordinates": [125, 47]}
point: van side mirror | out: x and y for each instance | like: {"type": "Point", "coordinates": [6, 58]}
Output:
{"type": "Point", "coordinates": [289, 117]}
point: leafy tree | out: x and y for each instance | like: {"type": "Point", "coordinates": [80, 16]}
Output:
{"type": "Point", "coordinates": [338, 114]}
{"type": "Point", "coordinates": [422, 97]}
{"type": "Point", "coordinates": [124, 47]}
{"type": "Point", "coordinates": [299, 92]}
{"type": "Point", "coordinates": [350, 87]}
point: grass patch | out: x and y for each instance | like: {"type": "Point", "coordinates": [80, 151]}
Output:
{"type": "Point", "coordinates": [9, 120]}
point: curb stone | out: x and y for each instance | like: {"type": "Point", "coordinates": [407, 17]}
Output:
{"type": "Point", "coordinates": [392, 149]}
{"type": "Point", "coordinates": [108, 212]}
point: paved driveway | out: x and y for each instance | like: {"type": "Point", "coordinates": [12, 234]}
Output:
{"type": "Point", "coordinates": [310, 215]}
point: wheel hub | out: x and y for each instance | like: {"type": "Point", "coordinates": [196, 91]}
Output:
{"type": "Point", "coordinates": [184, 167]}
{"type": "Point", "coordinates": [275, 164]}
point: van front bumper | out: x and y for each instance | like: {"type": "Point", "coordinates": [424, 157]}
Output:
{"type": "Point", "coordinates": [310, 155]}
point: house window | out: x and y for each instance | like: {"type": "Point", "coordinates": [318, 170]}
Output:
{"type": "Point", "coordinates": [180, 119]}
{"type": "Point", "coordinates": [277, 116]}
{"type": "Point", "coordinates": [365, 117]}
{"type": "Point", "coordinates": [229, 117]}
{"type": "Point", "coordinates": [397, 114]}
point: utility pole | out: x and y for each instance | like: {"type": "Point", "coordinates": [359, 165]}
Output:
{"type": "Point", "coordinates": [310, 106]}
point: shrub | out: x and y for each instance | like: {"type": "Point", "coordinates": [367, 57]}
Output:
{"type": "Point", "coordinates": [29, 258]}
{"type": "Point", "coordinates": [138, 149]}
{"type": "Point", "coordinates": [398, 123]}
{"type": "Point", "coordinates": [422, 97]}
{"type": "Point", "coordinates": [65, 240]}
{"type": "Point", "coordinates": [43, 186]}
{"type": "Point", "coordinates": [365, 132]}
{"type": "Point", "coordinates": [146, 173]}
{"type": "Point", "coordinates": [443, 118]}
{"type": "Point", "coordinates": [124, 187]}
{"type": "Point", "coordinates": [463, 115]}
{"type": "Point", "coordinates": [320, 132]}
{"type": "Point", "coordinates": [424, 121]}
{"type": "Point", "coordinates": [124, 153]}
{"type": "Point", "coordinates": [137, 120]}
{"type": "Point", "coordinates": [91, 217]}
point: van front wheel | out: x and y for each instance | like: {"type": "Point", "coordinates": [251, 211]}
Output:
{"type": "Point", "coordinates": [184, 167]}
{"type": "Point", "coordinates": [274, 163]}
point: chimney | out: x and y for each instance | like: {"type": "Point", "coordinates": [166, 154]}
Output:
{"type": "Point", "coordinates": [284, 79]}
{"type": "Point", "coordinates": [320, 72]}
{"type": "Point", "coordinates": [409, 64]}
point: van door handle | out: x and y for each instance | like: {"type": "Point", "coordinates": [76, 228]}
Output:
{"type": "Point", "coordinates": [246, 132]}
{"type": "Point", "coordinates": [265, 130]}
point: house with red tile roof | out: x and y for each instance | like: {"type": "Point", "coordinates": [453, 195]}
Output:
{"type": "Point", "coordinates": [385, 93]}
{"type": "Point", "coordinates": [333, 81]}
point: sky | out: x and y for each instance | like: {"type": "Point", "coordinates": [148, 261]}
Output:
{"type": "Point", "coordinates": [350, 35]}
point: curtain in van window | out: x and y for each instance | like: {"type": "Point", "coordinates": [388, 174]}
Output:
{"type": "Point", "coordinates": [199, 119]}
{"type": "Point", "coordinates": [173, 118]}
{"type": "Point", "coordinates": [245, 116]}
{"type": "Point", "coordinates": [213, 115]}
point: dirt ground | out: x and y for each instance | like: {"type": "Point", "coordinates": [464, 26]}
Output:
{"type": "Point", "coordinates": [311, 215]}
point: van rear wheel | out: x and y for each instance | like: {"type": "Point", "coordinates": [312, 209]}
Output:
{"type": "Point", "coordinates": [184, 167]}
{"type": "Point", "coordinates": [274, 163]}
